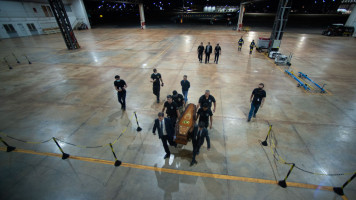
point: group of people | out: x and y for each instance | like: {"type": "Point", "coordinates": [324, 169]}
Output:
{"type": "Point", "coordinates": [175, 104]}
{"type": "Point", "coordinates": [207, 51]}
{"type": "Point", "coordinates": [241, 42]}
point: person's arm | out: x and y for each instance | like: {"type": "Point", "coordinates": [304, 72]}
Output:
{"type": "Point", "coordinates": [154, 128]}
{"type": "Point", "coordinates": [251, 98]}
{"type": "Point", "coordinates": [211, 122]}
{"type": "Point", "coordinates": [198, 115]}
{"type": "Point", "coordinates": [178, 115]}
{"type": "Point", "coordinates": [198, 105]}
{"type": "Point", "coordinates": [188, 84]}
{"type": "Point", "coordinates": [214, 106]}
{"type": "Point", "coordinates": [164, 107]}
{"type": "Point", "coordinates": [263, 100]}
{"type": "Point", "coordinates": [161, 80]}
{"type": "Point", "coordinates": [116, 88]}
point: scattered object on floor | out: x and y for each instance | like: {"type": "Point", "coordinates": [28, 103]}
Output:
{"type": "Point", "coordinates": [301, 75]}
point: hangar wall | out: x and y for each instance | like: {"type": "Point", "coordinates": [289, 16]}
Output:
{"type": "Point", "coordinates": [26, 18]}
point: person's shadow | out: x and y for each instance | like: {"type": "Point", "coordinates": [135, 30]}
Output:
{"type": "Point", "coordinates": [169, 183]}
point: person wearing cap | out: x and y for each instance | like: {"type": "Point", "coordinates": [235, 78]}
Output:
{"type": "Point", "coordinates": [207, 98]}
{"type": "Point", "coordinates": [120, 86]}
{"type": "Point", "coordinates": [204, 114]}
{"type": "Point", "coordinates": [156, 79]}
{"type": "Point", "coordinates": [185, 87]}
{"type": "Point", "coordinates": [257, 99]}
{"type": "Point", "coordinates": [179, 100]}
{"type": "Point", "coordinates": [172, 110]}
{"type": "Point", "coordinates": [217, 53]}
{"type": "Point", "coordinates": [165, 132]}
{"type": "Point", "coordinates": [200, 133]}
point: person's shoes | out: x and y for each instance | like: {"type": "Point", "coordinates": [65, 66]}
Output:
{"type": "Point", "coordinates": [248, 120]}
{"type": "Point", "coordinates": [167, 156]}
{"type": "Point", "coordinates": [254, 116]}
{"type": "Point", "coordinates": [193, 162]}
{"type": "Point", "coordinates": [198, 153]}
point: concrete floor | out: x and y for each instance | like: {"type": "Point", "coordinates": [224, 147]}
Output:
{"type": "Point", "coordinates": [70, 95]}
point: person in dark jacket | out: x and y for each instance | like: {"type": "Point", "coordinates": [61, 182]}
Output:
{"type": "Point", "coordinates": [198, 137]}
{"type": "Point", "coordinates": [257, 99]}
{"type": "Point", "coordinates": [241, 42]}
{"type": "Point", "coordinates": [217, 53]}
{"type": "Point", "coordinates": [165, 132]}
{"type": "Point", "coordinates": [208, 51]}
{"type": "Point", "coordinates": [156, 79]}
{"type": "Point", "coordinates": [185, 87]}
{"type": "Point", "coordinates": [200, 52]}
{"type": "Point", "coordinates": [120, 86]}
{"type": "Point", "coordinates": [252, 45]}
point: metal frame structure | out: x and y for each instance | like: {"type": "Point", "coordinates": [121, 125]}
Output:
{"type": "Point", "coordinates": [302, 75]}
{"type": "Point", "coordinates": [64, 25]}
{"type": "Point", "coordinates": [279, 25]}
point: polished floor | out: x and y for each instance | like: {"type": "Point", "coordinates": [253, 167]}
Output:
{"type": "Point", "coordinates": [70, 95]}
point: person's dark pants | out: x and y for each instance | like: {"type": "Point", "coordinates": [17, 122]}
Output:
{"type": "Point", "coordinates": [196, 149]}
{"type": "Point", "coordinates": [121, 97]}
{"type": "Point", "coordinates": [206, 123]}
{"type": "Point", "coordinates": [174, 121]}
{"type": "Point", "coordinates": [165, 139]}
{"type": "Point", "coordinates": [240, 46]}
{"type": "Point", "coordinates": [251, 49]}
{"type": "Point", "coordinates": [200, 56]}
{"type": "Point", "coordinates": [185, 94]}
{"type": "Point", "coordinates": [207, 57]}
{"type": "Point", "coordinates": [253, 110]}
{"type": "Point", "coordinates": [216, 59]}
{"type": "Point", "coordinates": [156, 90]}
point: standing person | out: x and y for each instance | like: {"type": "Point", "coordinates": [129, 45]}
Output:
{"type": "Point", "coordinates": [252, 45]}
{"type": "Point", "coordinates": [257, 99]}
{"type": "Point", "coordinates": [179, 100]}
{"type": "Point", "coordinates": [204, 114]}
{"type": "Point", "coordinates": [207, 98]}
{"type": "Point", "coordinates": [172, 110]}
{"type": "Point", "coordinates": [208, 51]}
{"type": "Point", "coordinates": [156, 79]}
{"type": "Point", "coordinates": [185, 87]}
{"type": "Point", "coordinates": [200, 52]}
{"type": "Point", "coordinates": [165, 132]}
{"type": "Point", "coordinates": [241, 42]}
{"type": "Point", "coordinates": [217, 53]}
{"type": "Point", "coordinates": [120, 86]}
{"type": "Point", "coordinates": [198, 137]}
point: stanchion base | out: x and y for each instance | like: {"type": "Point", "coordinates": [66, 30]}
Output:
{"type": "Point", "coordinates": [338, 190]}
{"type": "Point", "coordinates": [139, 129]}
{"type": "Point", "coordinates": [264, 143]}
{"type": "Point", "coordinates": [10, 67]}
{"type": "Point", "coordinates": [117, 163]}
{"type": "Point", "coordinates": [282, 183]}
{"type": "Point", "coordinates": [30, 63]}
{"type": "Point", "coordinates": [10, 148]}
{"type": "Point", "coordinates": [18, 62]}
{"type": "Point", "coordinates": [65, 156]}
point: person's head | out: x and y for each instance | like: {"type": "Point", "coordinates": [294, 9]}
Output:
{"type": "Point", "coordinates": [205, 106]}
{"type": "Point", "coordinates": [253, 40]}
{"type": "Point", "coordinates": [169, 98]}
{"type": "Point", "coordinates": [175, 93]}
{"type": "Point", "coordinates": [185, 77]}
{"type": "Point", "coordinates": [160, 116]}
{"type": "Point", "coordinates": [201, 125]}
{"type": "Point", "coordinates": [261, 85]}
{"type": "Point", "coordinates": [201, 43]}
{"type": "Point", "coordinates": [207, 93]}
{"type": "Point", "coordinates": [117, 77]}
{"type": "Point", "coordinates": [155, 70]}
{"type": "Point", "coordinates": [208, 43]}
{"type": "Point", "coordinates": [217, 44]}
{"type": "Point", "coordinates": [241, 37]}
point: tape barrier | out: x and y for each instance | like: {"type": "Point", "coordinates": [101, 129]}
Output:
{"type": "Point", "coordinates": [278, 158]}
{"type": "Point", "coordinates": [24, 141]}
{"type": "Point", "coordinates": [80, 146]}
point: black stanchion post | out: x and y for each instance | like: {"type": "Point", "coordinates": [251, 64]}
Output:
{"type": "Point", "coordinates": [7, 63]}
{"type": "Point", "coordinates": [138, 126]}
{"type": "Point", "coordinates": [283, 183]}
{"type": "Point", "coordinates": [264, 143]}
{"type": "Point", "coordinates": [8, 147]}
{"type": "Point", "coordinates": [29, 62]}
{"type": "Point", "coordinates": [64, 155]}
{"type": "Point", "coordinates": [340, 190]}
{"type": "Point", "coordinates": [117, 162]}
{"type": "Point", "coordinates": [16, 58]}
